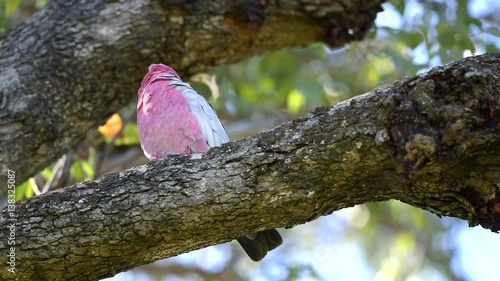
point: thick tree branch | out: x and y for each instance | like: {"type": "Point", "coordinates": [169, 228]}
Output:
{"type": "Point", "coordinates": [75, 62]}
{"type": "Point", "coordinates": [431, 141]}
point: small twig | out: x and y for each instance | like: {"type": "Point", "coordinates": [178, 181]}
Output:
{"type": "Point", "coordinates": [58, 177]}
{"type": "Point", "coordinates": [34, 186]}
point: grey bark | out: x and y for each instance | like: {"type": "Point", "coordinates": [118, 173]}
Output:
{"type": "Point", "coordinates": [72, 64]}
{"type": "Point", "coordinates": [431, 141]}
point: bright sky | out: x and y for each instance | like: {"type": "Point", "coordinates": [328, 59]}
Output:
{"type": "Point", "coordinates": [478, 253]}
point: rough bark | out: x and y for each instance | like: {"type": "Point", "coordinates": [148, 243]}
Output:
{"type": "Point", "coordinates": [75, 62]}
{"type": "Point", "coordinates": [431, 141]}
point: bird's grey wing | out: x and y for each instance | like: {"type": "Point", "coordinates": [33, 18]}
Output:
{"type": "Point", "coordinates": [211, 127]}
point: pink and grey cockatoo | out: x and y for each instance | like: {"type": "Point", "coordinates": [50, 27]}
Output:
{"type": "Point", "coordinates": [172, 118]}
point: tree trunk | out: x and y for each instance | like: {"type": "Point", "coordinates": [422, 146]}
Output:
{"type": "Point", "coordinates": [74, 63]}
{"type": "Point", "coordinates": [431, 141]}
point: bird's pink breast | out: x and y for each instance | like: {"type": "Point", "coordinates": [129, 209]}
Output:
{"type": "Point", "coordinates": [166, 124]}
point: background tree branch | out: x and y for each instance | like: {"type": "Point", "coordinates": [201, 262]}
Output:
{"type": "Point", "coordinates": [431, 141]}
{"type": "Point", "coordinates": [74, 63]}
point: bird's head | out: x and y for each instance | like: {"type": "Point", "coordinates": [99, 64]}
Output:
{"type": "Point", "coordinates": [156, 72]}
{"type": "Point", "coordinates": [161, 71]}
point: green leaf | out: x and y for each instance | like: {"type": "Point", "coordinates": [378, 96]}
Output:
{"type": "Point", "coordinates": [411, 39]}
{"type": "Point", "coordinates": [24, 190]}
{"type": "Point", "coordinates": [493, 31]}
{"type": "Point", "coordinates": [295, 101]}
{"type": "Point", "coordinates": [46, 173]}
{"type": "Point", "coordinates": [491, 48]}
{"type": "Point", "coordinates": [28, 193]}
{"type": "Point", "coordinates": [129, 136]}
{"type": "Point", "coordinates": [400, 6]}
{"type": "Point", "coordinates": [11, 6]}
{"type": "Point", "coordinates": [76, 170]}
{"type": "Point", "coordinates": [88, 169]}
{"type": "Point", "coordinates": [405, 243]}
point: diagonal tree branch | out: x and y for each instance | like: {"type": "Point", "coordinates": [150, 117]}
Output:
{"type": "Point", "coordinates": [75, 62]}
{"type": "Point", "coordinates": [431, 141]}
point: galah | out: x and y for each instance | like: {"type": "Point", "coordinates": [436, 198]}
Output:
{"type": "Point", "coordinates": [172, 118]}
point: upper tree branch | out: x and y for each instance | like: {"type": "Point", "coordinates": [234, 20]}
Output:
{"type": "Point", "coordinates": [432, 141]}
{"type": "Point", "coordinates": [75, 62]}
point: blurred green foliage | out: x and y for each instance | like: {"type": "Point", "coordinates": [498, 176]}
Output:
{"type": "Point", "coordinates": [24, 190]}
{"type": "Point", "coordinates": [399, 242]}
{"type": "Point", "coordinates": [13, 12]}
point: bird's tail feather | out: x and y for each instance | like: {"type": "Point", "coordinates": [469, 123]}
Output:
{"type": "Point", "coordinates": [257, 245]}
